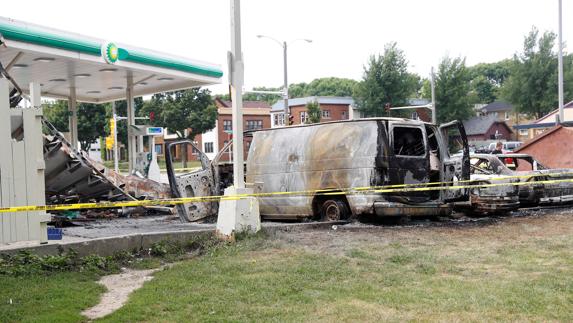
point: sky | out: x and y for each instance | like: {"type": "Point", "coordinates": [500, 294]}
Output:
{"type": "Point", "coordinates": [344, 33]}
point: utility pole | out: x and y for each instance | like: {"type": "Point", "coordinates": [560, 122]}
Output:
{"type": "Point", "coordinates": [284, 44]}
{"type": "Point", "coordinates": [237, 72]}
{"type": "Point", "coordinates": [560, 64]}
{"type": "Point", "coordinates": [433, 85]}
{"type": "Point", "coordinates": [242, 214]}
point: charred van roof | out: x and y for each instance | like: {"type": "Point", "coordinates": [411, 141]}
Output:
{"type": "Point", "coordinates": [410, 121]}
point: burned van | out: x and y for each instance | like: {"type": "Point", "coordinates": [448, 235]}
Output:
{"type": "Point", "coordinates": [340, 169]}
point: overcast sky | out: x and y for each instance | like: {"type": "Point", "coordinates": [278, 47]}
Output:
{"type": "Point", "coordinates": [344, 33]}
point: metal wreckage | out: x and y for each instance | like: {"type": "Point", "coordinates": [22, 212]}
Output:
{"type": "Point", "coordinates": [385, 167]}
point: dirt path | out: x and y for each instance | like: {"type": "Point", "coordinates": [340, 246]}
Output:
{"type": "Point", "coordinates": [118, 289]}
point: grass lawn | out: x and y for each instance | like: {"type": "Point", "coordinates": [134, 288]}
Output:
{"type": "Point", "coordinates": [520, 269]}
{"type": "Point", "coordinates": [57, 297]}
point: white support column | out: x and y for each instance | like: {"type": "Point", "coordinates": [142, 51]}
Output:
{"type": "Point", "coordinates": [131, 140]}
{"type": "Point", "coordinates": [242, 215]}
{"type": "Point", "coordinates": [35, 165]}
{"type": "Point", "coordinates": [73, 119]}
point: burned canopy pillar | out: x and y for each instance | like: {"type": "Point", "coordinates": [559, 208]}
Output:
{"type": "Point", "coordinates": [73, 117]}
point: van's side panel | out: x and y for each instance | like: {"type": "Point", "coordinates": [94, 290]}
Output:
{"type": "Point", "coordinates": [326, 156]}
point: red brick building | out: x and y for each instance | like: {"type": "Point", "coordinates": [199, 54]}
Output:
{"type": "Point", "coordinates": [332, 109]}
{"type": "Point", "coordinates": [256, 115]}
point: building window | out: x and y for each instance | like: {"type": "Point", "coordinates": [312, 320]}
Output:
{"type": "Point", "coordinates": [325, 114]}
{"type": "Point", "coordinates": [303, 117]}
{"type": "Point", "coordinates": [507, 116]}
{"type": "Point", "coordinates": [159, 149]}
{"type": "Point", "coordinates": [523, 132]}
{"type": "Point", "coordinates": [279, 119]}
{"type": "Point", "coordinates": [208, 147]}
{"type": "Point", "coordinates": [227, 125]}
{"type": "Point", "coordinates": [254, 124]}
{"type": "Point", "coordinates": [344, 117]}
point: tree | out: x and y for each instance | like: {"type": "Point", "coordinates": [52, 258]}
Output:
{"type": "Point", "coordinates": [452, 88]}
{"type": "Point", "coordinates": [92, 120]}
{"type": "Point", "coordinates": [386, 81]}
{"type": "Point", "coordinates": [192, 110]}
{"type": "Point", "coordinates": [327, 86]}
{"type": "Point", "coordinates": [487, 79]}
{"type": "Point", "coordinates": [532, 84]}
{"type": "Point", "coordinates": [313, 110]}
{"type": "Point", "coordinates": [249, 96]}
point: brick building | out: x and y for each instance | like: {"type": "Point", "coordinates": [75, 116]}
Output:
{"type": "Point", "coordinates": [256, 115]}
{"type": "Point", "coordinates": [332, 109]}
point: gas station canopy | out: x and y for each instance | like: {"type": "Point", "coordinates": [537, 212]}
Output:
{"type": "Point", "coordinates": [99, 71]}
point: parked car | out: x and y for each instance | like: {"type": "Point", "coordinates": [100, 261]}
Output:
{"type": "Point", "coordinates": [508, 146]}
{"type": "Point", "coordinates": [338, 156]}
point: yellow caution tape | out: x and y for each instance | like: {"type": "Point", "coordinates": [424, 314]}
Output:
{"type": "Point", "coordinates": [398, 188]}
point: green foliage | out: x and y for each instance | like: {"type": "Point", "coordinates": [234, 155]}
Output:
{"type": "Point", "coordinates": [178, 111]}
{"type": "Point", "coordinates": [327, 86]}
{"type": "Point", "coordinates": [532, 84]}
{"type": "Point", "coordinates": [57, 114]}
{"type": "Point", "coordinates": [313, 110]}
{"type": "Point", "coordinates": [92, 120]}
{"type": "Point", "coordinates": [487, 79]}
{"type": "Point", "coordinates": [452, 89]}
{"type": "Point", "coordinates": [269, 98]}
{"type": "Point", "coordinates": [386, 81]}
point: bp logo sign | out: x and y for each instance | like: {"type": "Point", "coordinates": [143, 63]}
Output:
{"type": "Point", "coordinates": [110, 52]}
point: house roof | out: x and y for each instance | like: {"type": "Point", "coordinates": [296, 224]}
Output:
{"type": "Point", "coordinates": [246, 104]}
{"type": "Point", "coordinates": [497, 106]}
{"type": "Point", "coordinates": [279, 106]}
{"type": "Point", "coordinates": [480, 125]}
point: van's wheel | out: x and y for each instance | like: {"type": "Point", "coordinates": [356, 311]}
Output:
{"type": "Point", "coordinates": [334, 210]}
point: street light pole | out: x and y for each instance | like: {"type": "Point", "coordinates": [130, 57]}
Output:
{"type": "Point", "coordinates": [284, 44]}
{"type": "Point", "coordinates": [560, 65]}
{"type": "Point", "coordinates": [286, 110]}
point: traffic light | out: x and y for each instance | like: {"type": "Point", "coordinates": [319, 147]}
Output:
{"type": "Point", "coordinates": [290, 119]}
{"type": "Point", "coordinates": [151, 116]}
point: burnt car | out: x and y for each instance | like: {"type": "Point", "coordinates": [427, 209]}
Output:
{"type": "Point", "coordinates": [546, 193]}
{"type": "Point", "coordinates": [499, 198]}
{"type": "Point", "coordinates": [336, 157]}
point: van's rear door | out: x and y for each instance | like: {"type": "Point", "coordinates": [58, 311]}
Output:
{"type": "Point", "coordinates": [408, 160]}
{"type": "Point", "coordinates": [457, 167]}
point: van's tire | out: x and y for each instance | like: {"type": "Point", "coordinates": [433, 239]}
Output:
{"type": "Point", "coordinates": [334, 210]}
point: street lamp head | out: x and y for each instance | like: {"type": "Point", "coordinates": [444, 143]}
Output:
{"type": "Point", "coordinates": [260, 36]}
{"type": "Point", "coordinates": [308, 40]}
